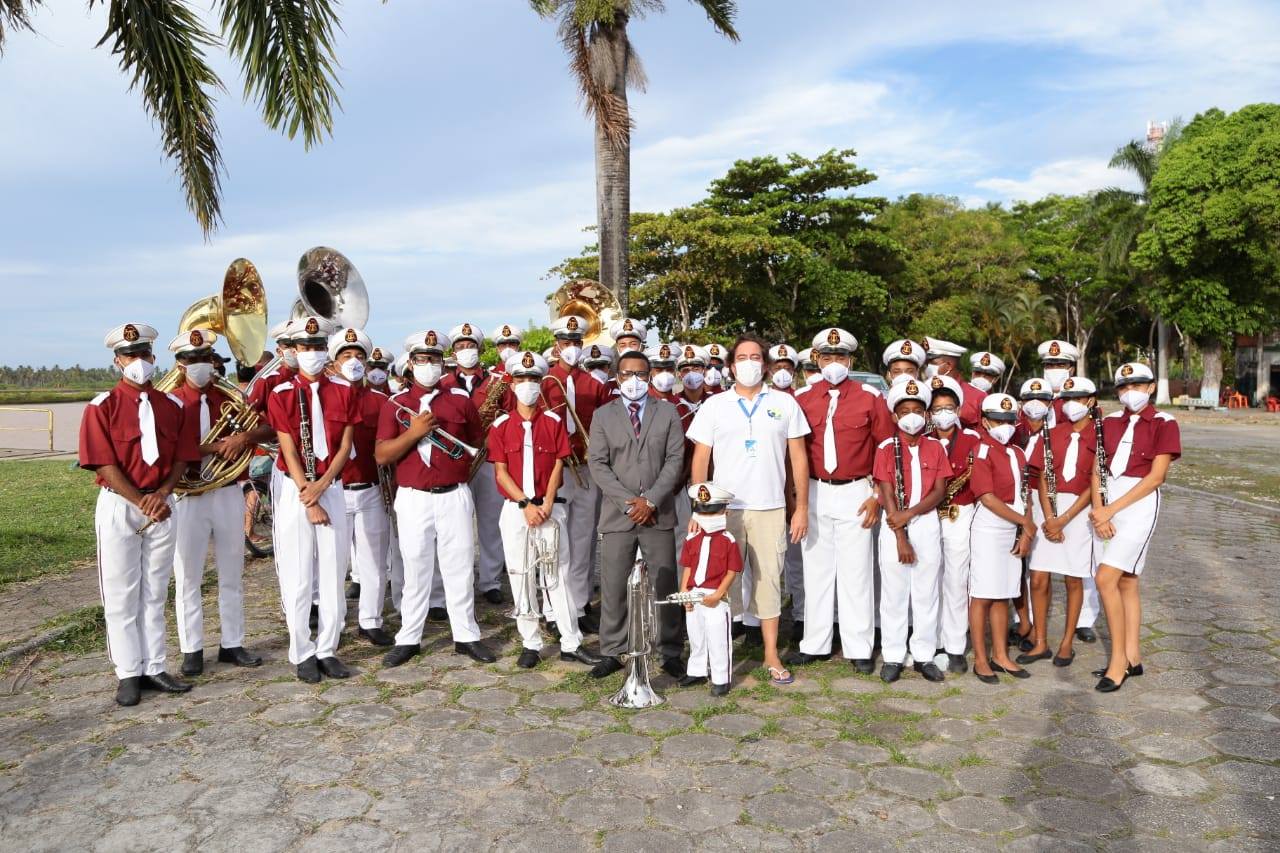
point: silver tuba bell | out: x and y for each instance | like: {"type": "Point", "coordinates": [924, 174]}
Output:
{"type": "Point", "coordinates": [541, 571]}
{"type": "Point", "coordinates": [642, 636]}
{"type": "Point", "coordinates": [331, 287]}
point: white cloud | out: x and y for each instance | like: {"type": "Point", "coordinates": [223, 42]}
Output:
{"type": "Point", "coordinates": [1062, 177]}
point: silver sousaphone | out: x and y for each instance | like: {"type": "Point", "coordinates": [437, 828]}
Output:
{"type": "Point", "coordinates": [330, 286]}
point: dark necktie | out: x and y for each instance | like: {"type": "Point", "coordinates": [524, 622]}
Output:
{"type": "Point", "coordinates": [635, 418]}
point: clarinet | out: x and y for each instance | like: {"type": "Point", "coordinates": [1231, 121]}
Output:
{"type": "Point", "coordinates": [304, 438]}
{"type": "Point", "coordinates": [1050, 475]}
{"type": "Point", "coordinates": [899, 486]}
{"type": "Point", "coordinates": [1101, 454]}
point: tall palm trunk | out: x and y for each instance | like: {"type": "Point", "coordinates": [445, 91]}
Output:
{"type": "Point", "coordinates": [613, 167]}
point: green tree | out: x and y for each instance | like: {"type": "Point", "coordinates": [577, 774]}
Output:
{"type": "Point", "coordinates": [604, 63]}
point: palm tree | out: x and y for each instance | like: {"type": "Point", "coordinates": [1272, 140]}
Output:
{"type": "Point", "coordinates": [604, 63]}
{"type": "Point", "coordinates": [285, 50]}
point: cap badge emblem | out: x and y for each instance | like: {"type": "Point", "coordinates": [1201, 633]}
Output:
{"type": "Point", "coordinates": [986, 359]}
{"type": "Point", "coordinates": [1127, 370]}
{"type": "Point", "coordinates": [1054, 349]}
{"type": "Point", "coordinates": [351, 337]}
{"type": "Point", "coordinates": [572, 324]}
{"type": "Point", "coordinates": [431, 340]}
{"type": "Point", "coordinates": [195, 338]}
{"type": "Point", "coordinates": [905, 349]}
{"type": "Point", "coordinates": [312, 327]}
{"type": "Point", "coordinates": [527, 361]}
{"type": "Point", "coordinates": [1006, 404]}
{"type": "Point", "coordinates": [466, 328]}
{"type": "Point", "coordinates": [130, 332]}
{"type": "Point", "coordinates": [913, 388]}
{"type": "Point", "coordinates": [833, 337]}
{"type": "Point", "coordinates": [704, 495]}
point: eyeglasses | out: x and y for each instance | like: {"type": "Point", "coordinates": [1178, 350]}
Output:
{"type": "Point", "coordinates": [424, 358]}
{"type": "Point", "coordinates": [638, 374]}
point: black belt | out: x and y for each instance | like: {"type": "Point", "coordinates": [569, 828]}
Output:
{"type": "Point", "coordinates": [140, 491]}
{"type": "Point", "coordinates": [357, 487]}
{"type": "Point", "coordinates": [839, 482]}
{"type": "Point", "coordinates": [537, 501]}
{"type": "Point", "coordinates": [435, 490]}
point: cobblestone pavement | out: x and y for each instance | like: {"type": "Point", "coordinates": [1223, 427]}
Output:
{"type": "Point", "coordinates": [443, 754]}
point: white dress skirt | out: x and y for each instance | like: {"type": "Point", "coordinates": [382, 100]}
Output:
{"type": "Point", "coordinates": [994, 573]}
{"type": "Point", "coordinates": [1135, 525]}
{"type": "Point", "coordinates": [1072, 557]}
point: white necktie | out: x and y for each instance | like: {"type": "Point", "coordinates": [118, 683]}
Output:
{"type": "Point", "coordinates": [424, 446]}
{"type": "Point", "coordinates": [704, 554]}
{"type": "Point", "coordinates": [204, 417]}
{"type": "Point", "coordinates": [527, 484]}
{"type": "Point", "coordinates": [829, 460]}
{"type": "Point", "coordinates": [914, 497]}
{"type": "Point", "coordinates": [468, 379]}
{"type": "Point", "coordinates": [1120, 459]}
{"type": "Point", "coordinates": [319, 443]}
{"type": "Point", "coordinates": [147, 421]}
{"type": "Point", "coordinates": [571, 398]}
{"type": "Point", "coordinates": [1070, 461]}
{"type": "Point", "coordinates": [1017, 479]}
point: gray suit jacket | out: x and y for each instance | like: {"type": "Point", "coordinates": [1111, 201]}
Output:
{"type": "Point", "coordinates": [624, 466]}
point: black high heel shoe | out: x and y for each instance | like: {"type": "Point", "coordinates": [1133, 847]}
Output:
{"type": "Point", "coordinates": [1106, 685]}
{"type": "Point", "coordinates": [1016, 673]}
{"type": "Point", "coordinates": [1130, 671]}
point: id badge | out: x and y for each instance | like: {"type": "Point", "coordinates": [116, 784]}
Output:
{"type": "Point", "coordinates": [751, 447]}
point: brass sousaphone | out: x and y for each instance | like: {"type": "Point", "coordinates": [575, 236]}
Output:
{"type": "Point", "coordinates": [590, 300]}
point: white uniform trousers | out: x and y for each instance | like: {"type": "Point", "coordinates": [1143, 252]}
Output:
{"type": "Point", "coordinates": [395, 566]}
{"type": "Point", "coordinates": [1090, 606]}
{"type": "Point", "coordinates": [489, 501]}
{"type": "Point", "coordinates": [839, 567]}
{"type": "Point", "coordinates": [220, 514]}
{"type": "Point", "coordinates": [953, 621]}
{"type": "Point", "coordinates": [370, 535]}
{"type": "Point", "coordinates": [909, 593]}
{"type": "Point", "coordinates": [582, 504]}
{"type": "Point", "coordinates": [710, 642]}
{"type": "Point", "coordinates": [133, 574]}
{"type": "Point", "coordinates": [309, 557]}
{"type": "Point", "coordinates": [514, 527]}
{"type": "Point", "coordinates": [432, 524]}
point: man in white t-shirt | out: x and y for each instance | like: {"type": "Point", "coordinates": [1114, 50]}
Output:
{"type": "Point", "coordinates": [751, 434]}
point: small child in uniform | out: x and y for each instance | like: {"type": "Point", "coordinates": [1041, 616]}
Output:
{"type": "Point", "coordinates": [710, 561]}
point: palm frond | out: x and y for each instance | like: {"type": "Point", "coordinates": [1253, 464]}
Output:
{"type": "Point", "coordinates": [1115, 195]}
{"type": "Point", "coordinates": [609, 111]}
{"type": "Point", "coordinates": [1136, 157]}
{"type": "Point", "coordinates": [161, 48]}
{"type": "Point", "coordinates": [16, 15]}
{"type": "Point", "coordinates": [285, 48]}
{"type": "Point", "coordinates": [721, 14]}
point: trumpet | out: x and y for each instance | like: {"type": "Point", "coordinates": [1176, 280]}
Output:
{"type": "Point", "coordinates": [541, 571]}
{"type": "Point", "coordinates": [575, 464]}
{"type": "Point", "coordinates": [449, 444]}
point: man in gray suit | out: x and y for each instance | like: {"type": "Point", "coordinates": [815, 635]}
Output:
{"type": "Point", "coordinates": [636, 457]}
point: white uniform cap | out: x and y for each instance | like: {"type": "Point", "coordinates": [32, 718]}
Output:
{"type": "Point", "coordinates": [596, 354]}
{"type": "Point", "coordinates": [835, 341]}
{"type": "Point", "coordinates": [940, 383]}
{"type": "Point", "coordinates": [349, 337]}
{"type": "Point", "coordinates": [311, 330]}
{"type": "Point", "coordinates": [806, 359]}
{"type": "Point", "coordinates": [280, 331]}
{"type": "Point", "coordinates": [663, 355]}
{"type": "Point", "coordinates": [909, 388]}
{"type": "Point", "coordinates": [933, 348]}
{"type": "Point", "coordinates": [550, 355]}
{"type": "Point", "coordinates": [128, 337]}
{"type": "Point", "coordinates": [904, 349]}
{"type": "Point", "coordinates": [783, 352]}
{"type": "Point", "coordinates": [506, 334]}
{"type": "Point", "coordinates": [1036, 388]}
{"type": "Point", "coordinates": [1000, 407]}
{"type": "Point", "coordinates": [467, 332]}
{"type": "Point", "coordinates": [1134, 371]}
{"type": "Point", "coordinates": [428, 340]}
{"type": "Point", "coordinates": [692, 354]}
{"type": "Point", "coordinates": [986, 362]}
{"type": "Point", "coordinates": [193, 341]}
{"type": "Point", "coordinates": [527, 364]}
{"type": "Point", "coordinates": [572, 327]}
{"type": "Point", "coordinates": [717, 351]}
{"type": "Point", "coordinates": [1077, 386]}
{"type": "Point", "coordinates": [628, 328]}
{"type": "Point", "coordinates": [1056, 350]}
{"type": "Point", "coordinates": [401, 364]}
{"type": "Point", "coordinates": [708, 497]}
{"type": "Point", "coordinates": [378, 355]}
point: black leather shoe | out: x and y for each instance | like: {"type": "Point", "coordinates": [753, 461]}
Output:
{"type": "Point", "coordinates": [930, 671]}
{"type": "Point", "coordinates": [309, 671]}
{"type": "Point", "coordinates": [438, 614]}
{"type": "Point", "coordinates": [673, 667]}
{"type": "Point", "coordinates": [987, 679]}
{"type": "Point", "coordinates": [314, 619]}
{"type": "Point", "coordinates": [864, 665]}
{"type": "Point", "coordinates": [193, 663]}
{"type": "Point", "coordinates": [957, 664]}
{"type": "Point", "coordinates": [493, 596]}
{"type": "Point", "coordinates": [129, 691]}
{"type": "Point", "coordinates": [239, 656]}
{"type": "Point", "coordinates": [1057, 661]}
{"type": "Point", "coordinates": [376, 636]}
{"type": "Point", "coordinates": [737, 630]}
{"type": "Point", "coordinates": [1025, 659]}
{"type": "Point", "coordinates": [1016, 673]}
{"type": "Point", "coordinates": [719, 689]}
{"type": "Point", "coordinates": [1086, 635]}
{"type": "Point", "coordinates": [798, 658]}
{"type": "Point", "coordinates": [476, 650]}
{"type": "Point", "coordinates": [528, 659]}
{"type": "Point", "coordinates": [753, 635]}
{"type": "Point", "coordinates": [334, 668]}
{"type": "Point", "coordinates": [401, 655]}
{"type": "Point", "coordinates": [890, 672]}
{"type": "Point", "coordinates": [165, 683]}
{"type": "Point", "coordinates": [692, 680]}
{"type": "Point", "coordinates": [1129, 672]}
{"type": "Point", "coordinates": [588, 624]}
{"type": "Point", "coordinates": [353, 591]}
{"type": "Point", "coordinates": [606, 667]}
{"type": "Point", "coordinates": [581, 655]}
{"type": "Point", "coordinates": [1106, 685]}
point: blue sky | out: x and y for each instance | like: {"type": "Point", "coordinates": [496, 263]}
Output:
{"type": "Point", "coordinates": [460, 169]}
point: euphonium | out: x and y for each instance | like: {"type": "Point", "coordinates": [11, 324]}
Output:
{"type": "Point", "coordinates": [642, 626]}
{"type": "Point", "coordinates": [541, 572]}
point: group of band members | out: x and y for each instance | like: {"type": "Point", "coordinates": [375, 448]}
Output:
{"type": "Point", "coordinates": [908, 521]}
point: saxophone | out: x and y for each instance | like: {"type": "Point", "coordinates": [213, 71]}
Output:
{"type": "Point", "coordinates": [488, 414]}
{"type": "Point", "coordinates": [1050, 475]}
{"type": "Point", "coordinates": [948, 510]}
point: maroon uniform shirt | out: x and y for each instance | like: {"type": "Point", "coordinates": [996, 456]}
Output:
{"type": "Point", "coordinates": [1155, 433]}
{"type": "Point", "coordinates": [454, 413]}
{"type": "Point", "coordinates": [971, 408]}
{"type": "Point", "coordinates": [589, 395]}
{"type": "Point", "coordinates": [862, 421]}
{"type": "Point", "coordinates": [723, 557]}
{"type": "Point", "coordinates": [550, 443]}
{"type": "Point", "coordinates": [992, 473]}
{"type": "Point", "coordinates": [363, 467]}
{"type": "Point", "coordinates": [110, 434]}
{"type": "Point", "coordinates": [1059, 441]}
{"type": "Point", "coordinates": [337, 401]}
{"type": "Point", "coordinates": [958, 447]}
{"type": "Point", "coordinates": [263, 387]}
{"type": "Point", "coordinates": [934, 465]}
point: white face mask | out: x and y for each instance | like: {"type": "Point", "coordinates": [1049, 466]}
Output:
{"type": "Point", "coordinates": [505, 352]}
{"type": "Point", "coordinates": [139, 371]}
{"type": "Point", "coordinates": [664, 381]}
{"type": "Point", "coordinates": [911, 423]}
{"type": "Point", "coordinates": [312, 362]}
{"type": "Point", "coordinates": [945, 419]}
{"type": "Point", "coordinates": [835, 373]}
{"type": "Point", "coordinates": [1134, 400]}
{"type": "Point", "coordinates": [290, 357]}
{"type": "Point", "coordinates": [1056, 376]}
{"type": "Point", "coordinates": [714, 377]}
{"type": "Point", "coordinates": [427, 374]}
{"type": "Point", "coordinates": [467, 358]}
{"type": "Point", "coordinates": [1075, 410]}
{"type": "Point", "coordinates": [1035, 409]}
{"type": "Point", "coordinates": [377, 376]}
{"type": "Point", "coordinates": [930, 371]}
{"type": "Point", "coordinates": [711, 523]}
{"type": "Point", "coordinates": [782, 378]}
{"type": "Point", "coordinates": [569, 355]}
{"type": "Point", "coordinates": [527, 392]}
{"type": "Point", "coordinates": [199, 374]}
{"type": "Point", "coordinates": [692, 380]}
{"type": "Point", "coordinates": [982, 383]}
{"type": "Point", "coordinates": [633, 388]}
{"type": "Point", "coordinates": [1001, 433]}
{"type": "Point", "coordinates": [352, 370]}
{"type": "Point", "coordinates": [600, 374]}
{"type": "Point", "coordinates": [748, 373]}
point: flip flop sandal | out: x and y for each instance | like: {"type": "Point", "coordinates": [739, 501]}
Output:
{"type": "Point", "coordinates": [776, 678]}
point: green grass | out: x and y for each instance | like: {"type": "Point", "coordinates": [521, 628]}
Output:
{"type": "Point", "coordinates": [46, 518]}
{"type": "Point", "coordinates": [88, 631]}
{"type": "Point", "coordinates": [34, 396]}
